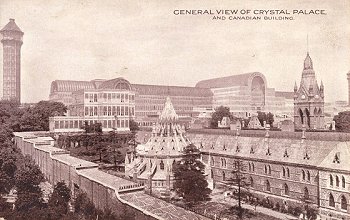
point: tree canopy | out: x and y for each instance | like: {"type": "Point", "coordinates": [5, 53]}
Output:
{"type": "Point", "coordinates": [190, 182]}
{"type": "Point", "coordinates": [238, 182]}
{"type": "Point", "coordinates": [133, 126]}
{"type": "Point", "coordinates": [342, 121]}
{"type": "Point", "coordinates": [218, 115]}
{"type": "Point", "coordinates": [30, 118]}
{"type": "Point", "coordinates": [267, 117]}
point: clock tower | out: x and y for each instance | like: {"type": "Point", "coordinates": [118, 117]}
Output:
{"type": "Point", "coordinates": [308, 99]}
{"type": "Point", "coordinates": [12, 42]}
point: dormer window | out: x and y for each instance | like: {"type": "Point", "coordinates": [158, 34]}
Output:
{"type": "Point", "coordinates": [252, 150]}
{"type": "Point", "coordinates": [268, 153]}
{"type": "Point", "coordinates": [237, 148]}
{"type": "Point", "coordinates": [224, 148]}
{"type": "Point", "coordinates": [285, 153]}
{"type": "Point", "coordinates": [307, 157]}
{"type": "Point", "coordinates": [336, 158]}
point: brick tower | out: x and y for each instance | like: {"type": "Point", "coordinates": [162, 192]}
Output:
{"type": "Point", "coordinates": [12, 42]}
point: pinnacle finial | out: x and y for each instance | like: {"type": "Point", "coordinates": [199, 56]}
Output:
{"type": "Point", "coordinates": [307, 43]}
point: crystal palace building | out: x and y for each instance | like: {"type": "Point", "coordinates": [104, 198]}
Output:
{"type": "Point", "coordinates": [95, 100]}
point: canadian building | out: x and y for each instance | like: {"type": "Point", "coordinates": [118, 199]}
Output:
{"type": "Point", "coordinates": [285, 169]}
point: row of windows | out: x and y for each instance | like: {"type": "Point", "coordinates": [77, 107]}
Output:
{"type": "Point", "coordinates": [109, 97]}
{"type": "Point", "coordinates": [285, 171]}
{"type": "Point", "coordinates": [337, 181]}
{"type": "Point", "coordinates": [305, 175]}
{"type": "Point", "coordinates": [267, 186]}
{"type": "Point", "coordinates": [343, 202]}
{"type": "Point", "coordinates": [120, 123]}
{"type": "Point", "coordinates": [110, 110]}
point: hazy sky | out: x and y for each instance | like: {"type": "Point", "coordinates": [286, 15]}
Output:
{"type": "Point", "coordinates": [85, 39]}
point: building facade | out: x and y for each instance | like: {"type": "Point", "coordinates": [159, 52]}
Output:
{"type": "Point", "coordinates": [285, 168]}
{"type": "Point", "coordinates": [12, 40]}
{"type": "Point", "coordinates": [309, 99]}
{"type": "Point", "coordinates": [244, 94]}
{"type": "Point", "coordinates": [112, 104]}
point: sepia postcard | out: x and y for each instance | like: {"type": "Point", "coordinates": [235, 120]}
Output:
{"type": "Point", "coordinates": [198, 109]}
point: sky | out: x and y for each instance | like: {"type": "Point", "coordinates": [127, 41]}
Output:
{"type": "Point", "coordinates": [89, 39]}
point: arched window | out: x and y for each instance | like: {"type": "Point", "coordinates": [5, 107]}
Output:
{"type": "Point", "coordinates": [223, 176]}
{"type": "Point", "coordinates": [267, 186]}
{"type": "Point", "coordinates": [308, 176]}
{"type": "Point", "coordinates": [265, 169]}
{"type": "Point", "coordinates": [283, 172]}
{"type": "Point", "coordinates": [286, 189]}
{"type": "Point", "coordinates": [343, 181]}
{"type": "Point", "coordinates": [343, 203]}
{"type": "Point", "coordinates": [331, 200]}
{"type": "Point", "coordinates": [303, 174]}
{"type": "Point", "coordinates": [212, 161]}
{"type": "Point", "coordinates": [253, 168]}
{"type": "Point", "coordinates": [306, 193]}
{"type": "Point", "coordinates": [251, 182]}
{"type": "Point", "coordinates": [269, 167]}
{"type": "Point", "coordinates": [211, 174]}
{"type": "Point", "coordinates": [336, 181]}
{"type": "Point", "coordinates": [249, 167]}
{"type": "Point", "coordinates": [288, 174]}
{"type": "Point", "coordinates": [161, 165]}
{"type": "Point", "coordinates": [331, 180]}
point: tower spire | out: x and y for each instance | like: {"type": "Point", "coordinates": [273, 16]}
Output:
{"type": "Point", "coordinates": [307, 43]}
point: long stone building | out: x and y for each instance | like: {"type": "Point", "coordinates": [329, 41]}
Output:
{"type": "Point", "coordinates": [292, 169]}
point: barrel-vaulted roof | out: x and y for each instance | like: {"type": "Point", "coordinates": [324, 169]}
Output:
{"type": "Point", "coordinates": [230, 81]}
{"type": "Point", "coordinates": [70, 85]}
{"type": "Point", "coordinates": [121, 83]}
{"type": "Point", "coordinates": [117, 83]}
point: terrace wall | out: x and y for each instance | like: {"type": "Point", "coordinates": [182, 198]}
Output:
{"type": "Point", "coordinates": [103, 196]}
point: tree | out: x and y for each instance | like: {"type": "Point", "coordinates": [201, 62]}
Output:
{"type": "Point", "coordinates": [218, 114]}
{"type": "Point", "coordinates": [268, 118]}
{"type": "Point", "coordinates": [37, 117]}
{"type": "Point", "coordinates": [133, 125]}
{"type": "Point", "coordinates": [342, 121]}
{"type": "Point", "coordinates": [239, 181]}
{"type": "Point", "coordinates": [93, 128]}
{"type": "Point", "coordinates": [58, 202]}
{"type": "Point", "coordinates": [27, 180]}
{"type": "Point", "coordinates": [8, 167]}
{"type": "Point", "coordinates": [190, 182]}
